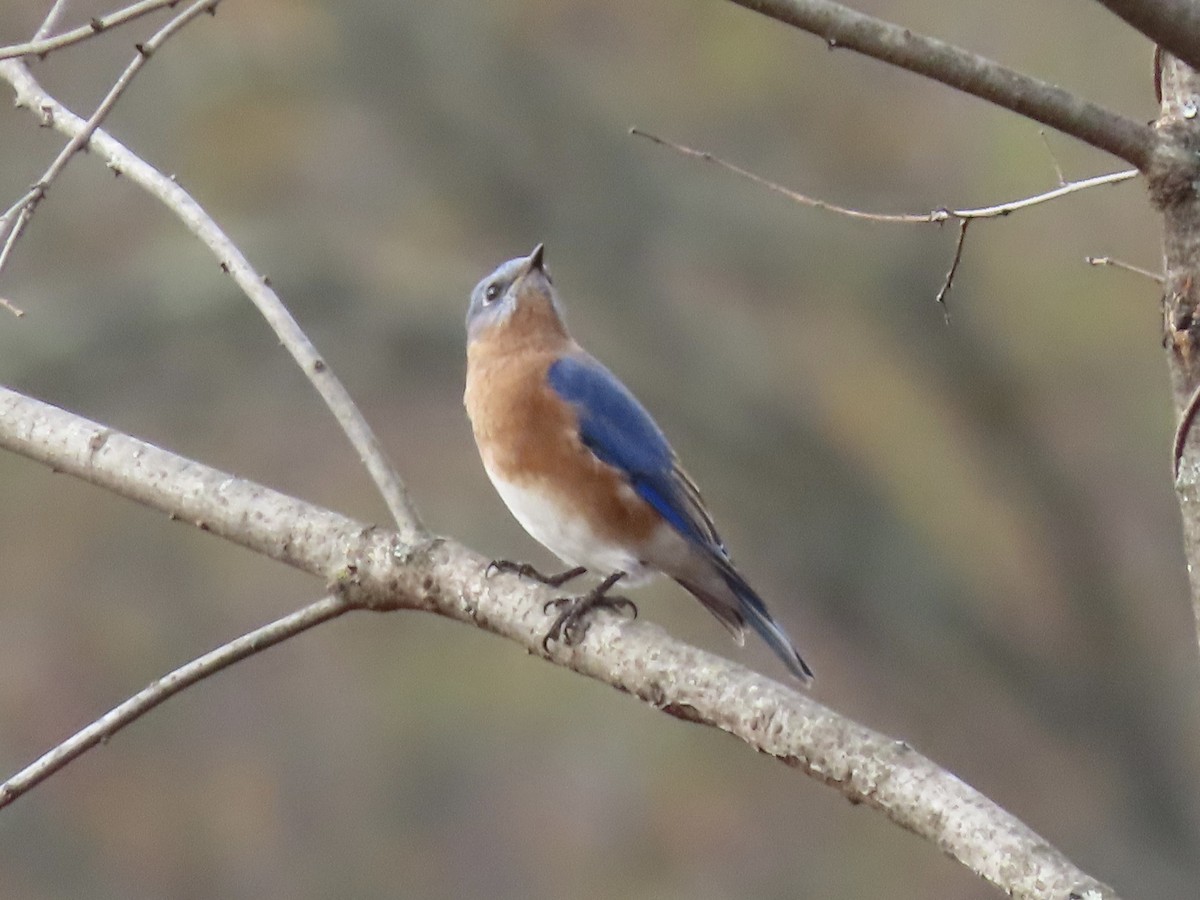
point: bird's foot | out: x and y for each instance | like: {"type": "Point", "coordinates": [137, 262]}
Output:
{"type": "Point", "coordinates": [571, 623]}
{"type": "Point", "coordinates": [525, 570]}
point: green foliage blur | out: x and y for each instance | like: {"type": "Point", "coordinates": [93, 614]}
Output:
{"type": "Point", "coordinates": [968, 526]}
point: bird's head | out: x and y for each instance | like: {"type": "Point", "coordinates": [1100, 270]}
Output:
{"type": "Point", "coordinates": [518, 294]}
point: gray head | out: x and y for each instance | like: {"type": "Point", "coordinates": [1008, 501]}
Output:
{"type": "Point", "coordinates": [523, 281]}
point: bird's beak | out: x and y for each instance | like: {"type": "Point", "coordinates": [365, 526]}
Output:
{"type": "Point", "coordinates": [534, 263]}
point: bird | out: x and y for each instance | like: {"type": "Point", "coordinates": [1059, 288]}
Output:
{"type": "Point", "coordinates": [587, 472]}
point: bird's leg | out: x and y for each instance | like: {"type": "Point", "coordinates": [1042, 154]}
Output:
{"type": "Point", "coordinates": [571, 623]}
{"type": "Point", "coordinates": [525, 570]}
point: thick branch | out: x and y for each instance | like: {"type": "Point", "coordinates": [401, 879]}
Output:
{"type": "Point", "coordinates": [1173, 188]}
{"type": "Point", "coordinates": [377, 569]}
{"type": "Point", "coordinates": [1041, 101]}
{"type": "Point", "coordinates": [1172, 24]}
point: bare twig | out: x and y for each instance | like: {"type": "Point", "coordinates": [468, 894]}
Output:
{"type": "Point", "coordinates": [17, 217]}
{"type": "Point", "coordinates": [911, 218]}
{"type": "Point", "coordinates": [168, 686]}
{"type": "Point", "coordinates": [14, 219]}
{"type": "Point", "coordinates": [1058, 171]}
{"type": "Point", "coordinates": [1127, 267]}
{"type": "Point", "coordinates": [953, 270]}
{"type": "Point", "coordinates": [935, 216]}
{"type": "Point", "coordinates": [1071, 187]}
{"type": "Point", "coordinates": [31, 95]}
{"type": "Point", "coordinates": [51, 21]}
{"type": "Point", "coordinates": [375, 569]}
{"type": "Point", "coordinates": [41, 45]}
{"type": "Point", "coordinates": [841, 26]}
{"type": "Point", "coordinates": [1172, 24]}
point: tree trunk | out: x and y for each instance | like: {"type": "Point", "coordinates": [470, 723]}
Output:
{"type": "Point", "coordinates": [1174, 178]}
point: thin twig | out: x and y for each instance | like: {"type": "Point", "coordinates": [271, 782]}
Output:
{"type": "Point", "coordinates": [840, 26]}
{"type": "Point", "coordinates": [1128, 267]}
{"type": "Point", "coordinates": [14, 219]}
{"type": "Point", "coordinates": [51, 21]}
{"type": "Point", "coordinates": [42, 45]}
{"type": "Point", "coordinates": [18, 215]}
{"type": "Point", "coordinates": [168, 686]}
{"type": "Point", "coordinates": [31, 95]}
{"type": "Point", "coordinates": [935, 216]}
{"type": "Point", "coordinates": [1058, 171]}
{"type": "Point", "coordinates": [958, 252]}
{"type": "Point", "coordinates": [804, 199]}
{"type": "Point", "coordinates": [1071, 187]}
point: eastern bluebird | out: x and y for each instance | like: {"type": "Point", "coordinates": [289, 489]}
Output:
{"type": "Point", "coordinates": [583, 467]}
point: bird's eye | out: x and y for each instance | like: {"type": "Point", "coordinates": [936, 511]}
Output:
{"type": "Point", "coordinates": [491, 292]}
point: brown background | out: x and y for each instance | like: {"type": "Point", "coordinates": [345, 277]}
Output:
{"type": "Point", "coordinates": [969, 528]}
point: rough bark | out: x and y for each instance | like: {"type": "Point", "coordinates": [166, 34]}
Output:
{"type": "Point", "coordinates": [1174, 178]}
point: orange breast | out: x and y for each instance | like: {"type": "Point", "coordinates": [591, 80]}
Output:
{"type": "Point", "coordinates": [528, 435]}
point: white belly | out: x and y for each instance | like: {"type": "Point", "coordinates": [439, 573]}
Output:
{"type": "Point", "coordinates": [568, 536]}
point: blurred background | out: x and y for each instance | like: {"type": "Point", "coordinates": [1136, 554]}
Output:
{"type": "Point", "coordinates": [968, 526]}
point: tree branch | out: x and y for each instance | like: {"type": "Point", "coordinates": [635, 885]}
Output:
{"type": "Point", "coordinates": [1172, 24]}
{"type": "Point", "coordinates": [166, 687]}
{"type": "Point", "coordinates": [948, 281]}
{"type": "Point", "coordinates": [42, 45]}
{"type": "Point", "coordinates": [376, 569]}
{"type": "Point", "coordinates": [31, 96]}
{"type": "Point", "coordinates": [1041, 101]}
{"type": "Point", "coordinates": [1124, 266]}
{"type": "Point", "coordinates": [18, 215]}
{"type": "Point", "coordinates": [933, 217]}
{"type": "Point", "coordinates": [51, 21]}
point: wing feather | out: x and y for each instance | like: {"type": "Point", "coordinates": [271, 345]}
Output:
{"type": "Point", "coordinates": [617, 428]}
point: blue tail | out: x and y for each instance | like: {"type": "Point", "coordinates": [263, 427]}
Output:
{"type": "Point", "coordinates": [750, 609]}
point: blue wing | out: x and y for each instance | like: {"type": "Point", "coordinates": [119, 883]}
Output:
{"type": "Point", "coordinates": [617, 428]}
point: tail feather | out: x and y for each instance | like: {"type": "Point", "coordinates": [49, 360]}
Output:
{"type": "Point", "coordinates": [749, 609]}
{"type": "Point", "coordinates": [727, 614]}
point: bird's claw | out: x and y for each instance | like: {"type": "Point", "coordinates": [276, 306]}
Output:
{"type": "Point", "coordinates": [525, 570]}
{"type": "Point", "coordinates": [570, 625]}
